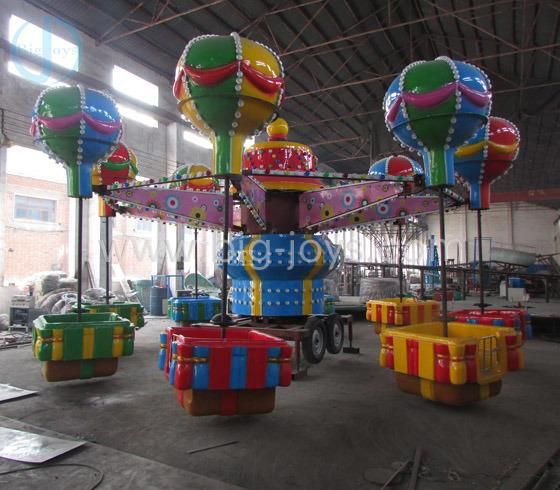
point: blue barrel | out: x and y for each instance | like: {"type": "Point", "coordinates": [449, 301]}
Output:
{"type": "Point", "coordinates": [516, 282]}
{"type": "Point", "coordinates": [157, 295]}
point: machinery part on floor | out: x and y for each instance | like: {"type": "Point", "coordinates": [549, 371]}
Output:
{"type": "Point", "coordinates": [315, 344]}
{"type": "Point", "coordinates": [213, 446]}
{"type": "Point", "coordinates": [378, 476]}
{"type": "Point", "coordinates": [415, 469]}
{"type": "Point", "coordinates": [540, 479]}
{"type": "Point", "coordinates": [398, 472]}
{"type": "Point", "coordinates": [335, 333]}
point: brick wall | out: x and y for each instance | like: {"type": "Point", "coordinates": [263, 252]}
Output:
{"type": "Point", "coordinates": [34, 246]}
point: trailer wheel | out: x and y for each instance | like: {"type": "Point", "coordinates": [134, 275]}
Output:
{"type": "Point", "coordinates": [335, 334]}
{"type": "Point", "coordinates": [314, 345]}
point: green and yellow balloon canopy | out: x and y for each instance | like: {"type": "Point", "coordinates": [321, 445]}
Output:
{"type": "Point", "coordinates": [228, 87]}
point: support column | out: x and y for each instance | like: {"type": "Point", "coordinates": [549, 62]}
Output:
{"type": "Point", "coordinates": [161, 255]}
{"type": "Point", "coordinates": [465, 216]}
{"type": "Point", "coordinates": [3, 182]}
{"type": "Point", "coordinates": [512, 224]}
{"type": "Point", "coordinates": [73, 264]}
{"type": "Point", "coordinates": [105, 249]}
{"type": "Point", "coordinates": [173, 237]}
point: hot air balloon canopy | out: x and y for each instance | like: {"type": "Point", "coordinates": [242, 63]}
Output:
{"type": "Point", "coordinates": [199, 184]}
{"type": "Point", "coordinates": [486, 157]}
{"type": "Point", "coordinates": [119, 167]}
{"type": "Point", "coordinates": [228, 87]}
{"type": "Point", "coordinates": [395, 166]}
{"type": "Point", "coordinates": [435, 106]}
{"type": "Point", "coordinates": [78, 127]}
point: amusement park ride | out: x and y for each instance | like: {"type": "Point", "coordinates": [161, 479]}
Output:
{"type": "Point", "coordinates": [278, 206]}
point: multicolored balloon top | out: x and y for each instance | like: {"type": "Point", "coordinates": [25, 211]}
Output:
{"type": "Point", "coordinates": [486, 157]}
{"type": "Point", "coordinates": [78, 127]}
{"type": "Point", "coordinates": [435, 106]}
{"type": "Point", "coordinates": [228, 87]}
{"type": "Point", "coordinates": [395, 166]}
{"type": "Point", "coordinates": [120, 167]}
{"type": "Point", "coordinates": [201, 183]}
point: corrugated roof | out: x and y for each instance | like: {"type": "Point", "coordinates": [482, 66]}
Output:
{"type": "Point", "coordinates": [340, 56]}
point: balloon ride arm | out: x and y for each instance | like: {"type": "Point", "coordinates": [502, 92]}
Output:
{"type": "Point", "coordinates": [195, 208]}
{"type": "Point", "coordinates": [323, 205]}
{"type": "Point", "coordinates": [254, 197]}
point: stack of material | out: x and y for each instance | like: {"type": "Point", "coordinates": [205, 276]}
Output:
{"type": "Point", "coordinates": [46, 282]}
{"type": "Point", "coordinates": [378, 288]}
{"type": "Point", "coordinates": [331, 287]}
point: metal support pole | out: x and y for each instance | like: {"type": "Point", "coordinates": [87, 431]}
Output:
{"type": "Point", "coordinates": [107, 260]}
{"type": "Point", "coordinates": [480, 264]}
{"type": "Point", "coordinates": [79, 271]}
{"type": "Point", "coordinates": [400, 262]}
{"type": "Point", "coordinates": [196, 262]}
{"type": "Point", "coordinates": [443, 267]}
{"type": "Point", "coordinates": [225, 256]}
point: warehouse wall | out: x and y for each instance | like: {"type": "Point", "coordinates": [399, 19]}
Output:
{"type": "Point", "coordinates": [159, 150]}
{"type": "Point", "coordinates": [522, 226]}
{"type": "Point", "coordinates": [22, 236]}
{"type": "Point", "coordinates": [150, 144]}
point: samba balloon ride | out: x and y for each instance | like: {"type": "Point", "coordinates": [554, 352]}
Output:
{"type": "Point", "coordinates": [278, 205]}
{"type": "Point", "coordinates": [485, 158]}
{"type": "Point", "coordinates": [435, 107]}
{"type": "Point", "coordinates": [230, 88]}
{"type": "Point", "coordinates": [79, 127]}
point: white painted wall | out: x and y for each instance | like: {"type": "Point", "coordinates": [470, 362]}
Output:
{"type": "Point", "coordinates": [522, 226]}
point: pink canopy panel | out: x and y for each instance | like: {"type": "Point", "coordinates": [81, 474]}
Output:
{"type": "Point", "coordinates": [194, 208]}
{"type": "Point", "coordinates": [333, 203]}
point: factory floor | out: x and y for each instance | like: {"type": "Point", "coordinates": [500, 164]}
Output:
{"type": "Point", "coordinates": [343, 424]}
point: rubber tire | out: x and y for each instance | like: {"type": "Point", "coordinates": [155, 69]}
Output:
{"type": "Point", "coordinates": [316, 328]}
{"type": "Point", "coordinates": [334, 342]}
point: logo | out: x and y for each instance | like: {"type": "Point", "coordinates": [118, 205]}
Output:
{"type": "Point", "coordinates": [52, 49]}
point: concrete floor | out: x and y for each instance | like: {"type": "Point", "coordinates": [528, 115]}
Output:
{"type": "Point", "coordinates": [345, 418]}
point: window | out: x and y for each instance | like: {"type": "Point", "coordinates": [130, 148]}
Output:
{"type": "Point", "coordinates": [35, 208]}
{"type": "Point", "coordinates": [250, 141]}
{"type": "Point", "coordinates": [204, 142]}
{"type": "Point", "coordinates": [142, 226]}
{"type": "Point", "coordinates": [139, 117]}
{"type": "Point", "coordinates": [197, 140]}
{"type": "Point", "coordinates": [134, 86]}
{"type": "Point", "coordinates": [45, 44]}
{"type": "Point", "coordinates": [35, 164]}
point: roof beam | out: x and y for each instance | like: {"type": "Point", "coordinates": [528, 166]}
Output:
{"type": "Point", "coordinates": [307, 24]}
{"type": "Point", "coordinates": [482, 29]}
{"type": "Point", "coordinates": [117, 23]}
{"type": "Point", "coordinates": [392, 27]}
{"type": "Point", "coordinates": [551, 194]}
{"type": "Point", "coordinates": [332, 142]}
{"type": "Point", "coordinates": [392, 75]}
{"type": "Point", "coordinates": [251, 25]}
{"type": "Point", "coordinates": [163, 21]}
{"type": "Point", "coordinates": [333, 119]}
{"type": "Point", "coordinates": [353, 157]}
